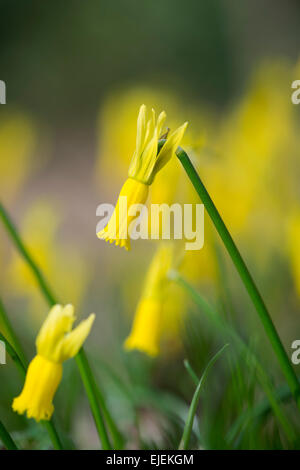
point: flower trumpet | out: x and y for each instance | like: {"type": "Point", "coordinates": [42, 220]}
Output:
{"type": "Point", "coordinates": [148, 322]}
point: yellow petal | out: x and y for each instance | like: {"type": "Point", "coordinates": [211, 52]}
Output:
{"type": "Point", "coordinates": [58, 322]}
{"type": "Point", "coordinates": [52, 340]}
{"type": "Point", "coordinates": [167, 151]}
{"type": "Point", "coordinates": [141, 129]}
{"type": "Point", "coordinates": [73, 341]}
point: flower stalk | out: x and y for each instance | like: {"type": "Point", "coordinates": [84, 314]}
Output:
{"type": "Point", "coordinates": [6, 438]}
{"type": "Point", "coordinates": [9, 331]}
{"type": "Point", "coordinates": [244, 274]}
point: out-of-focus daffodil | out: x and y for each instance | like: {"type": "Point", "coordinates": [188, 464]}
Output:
{"type": "Point", "coordinates": [174, 315]}
{"type": "Point", "coordinates": [58, 260]}
{"type": "Point", "coordinates": [293, 237]}
{"type": "Point", "coordinates": [56, 342]}
{"type": "Point", "coordinates": [145, 164]}
{"type": "Point", "coordinates": [251, 140]}
{"type": "Point", "coordinates": [148, 322]}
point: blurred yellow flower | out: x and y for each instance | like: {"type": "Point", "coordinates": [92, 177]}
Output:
{"type": "Point", "coordinates": [17, 144]}
{"type": "Point", "coordinates": [148, 322]}
{"type": "Point", "coordinates": [56, 342]}
{"type": "Point", "coordinates": [251, 139]}
{"type": "Point", "coordinates": [145, 164]}
{"type": "Point", "coordinates": [293, 238]}
{"type": "Point", "coordinates": [58, 259]}
{"type": "Point", "coordinates": [174, 313]}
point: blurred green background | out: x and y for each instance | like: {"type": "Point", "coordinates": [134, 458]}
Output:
{"type": "Point", "coordinates": [76, 73]}
{"type": "Point", "coordinates": [61, 59]}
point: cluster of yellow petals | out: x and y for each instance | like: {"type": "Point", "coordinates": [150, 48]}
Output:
{"type": "Point", "coordinates": [145, 164]}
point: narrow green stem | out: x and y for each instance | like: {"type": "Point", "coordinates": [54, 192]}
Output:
{"type": "Point", "coordinates": [81, 359]}
{"type": "Point", "coordinates": [6, 438]}
{"type": "Point", "coordinates": [9, 331]}
{"type": "Point", "coordinates": [117, 438]}
{"type": "Point", "coordinates": [14, 355]}
{"type": "Point", "coordinates": [91, 389]}
{"type": "Point", "coordinates": [49, 425]}
{"type": "Point", "coordinates": [245, 276]}
{"type": "Point", "coordinates": [11, 229]}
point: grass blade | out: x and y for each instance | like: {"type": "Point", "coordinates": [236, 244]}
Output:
{"type": "Point", "coordinates": [228, 330]}
{"type": "Point", "coordinates": [193, 408]}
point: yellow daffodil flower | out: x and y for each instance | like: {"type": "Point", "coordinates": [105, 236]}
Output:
{"type": "Point", "coordinates": [147, 326]}
{"type": "Point", "coordinates": [56, 342]}
{"type": "Point", "coordinates": [145, 164]}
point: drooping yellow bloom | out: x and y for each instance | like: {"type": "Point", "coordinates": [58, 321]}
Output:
{"type": "Point", "coordinates": [56, 342]}
{"type": "Point", "coordinates": [147, 326]}
{"type": "Point", "coordinates": [145, 164]}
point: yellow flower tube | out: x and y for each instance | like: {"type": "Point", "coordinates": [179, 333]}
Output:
{"type": "Point", "coordinates": [145, 164]}
{"type": "Point", "coordinates": [56, 342]}
{"type": "Point", "coordinates": [148, 322]}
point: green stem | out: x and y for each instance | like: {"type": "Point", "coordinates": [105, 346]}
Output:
{"type": "Point", "coordinates": [9, 331]}
{"type": "Point", "coordinates": [245, 275]}
{"type": "Point", "coordinates": [49, 425]}
{"type": "Point", "coordinates": [91, 389]}
{"type": "Point", "coordinates": [14, 355]}
{"type": "Point", "coordinates": [6, 438]}
{"type": "Point", "coordinates": [184, 444]}
{"type": "Point", "coordinates": [117, 438]}
{"type": "Point", "coordinates": [84, 367]}
{"type": "Point", "coordinates": [11, 229]}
